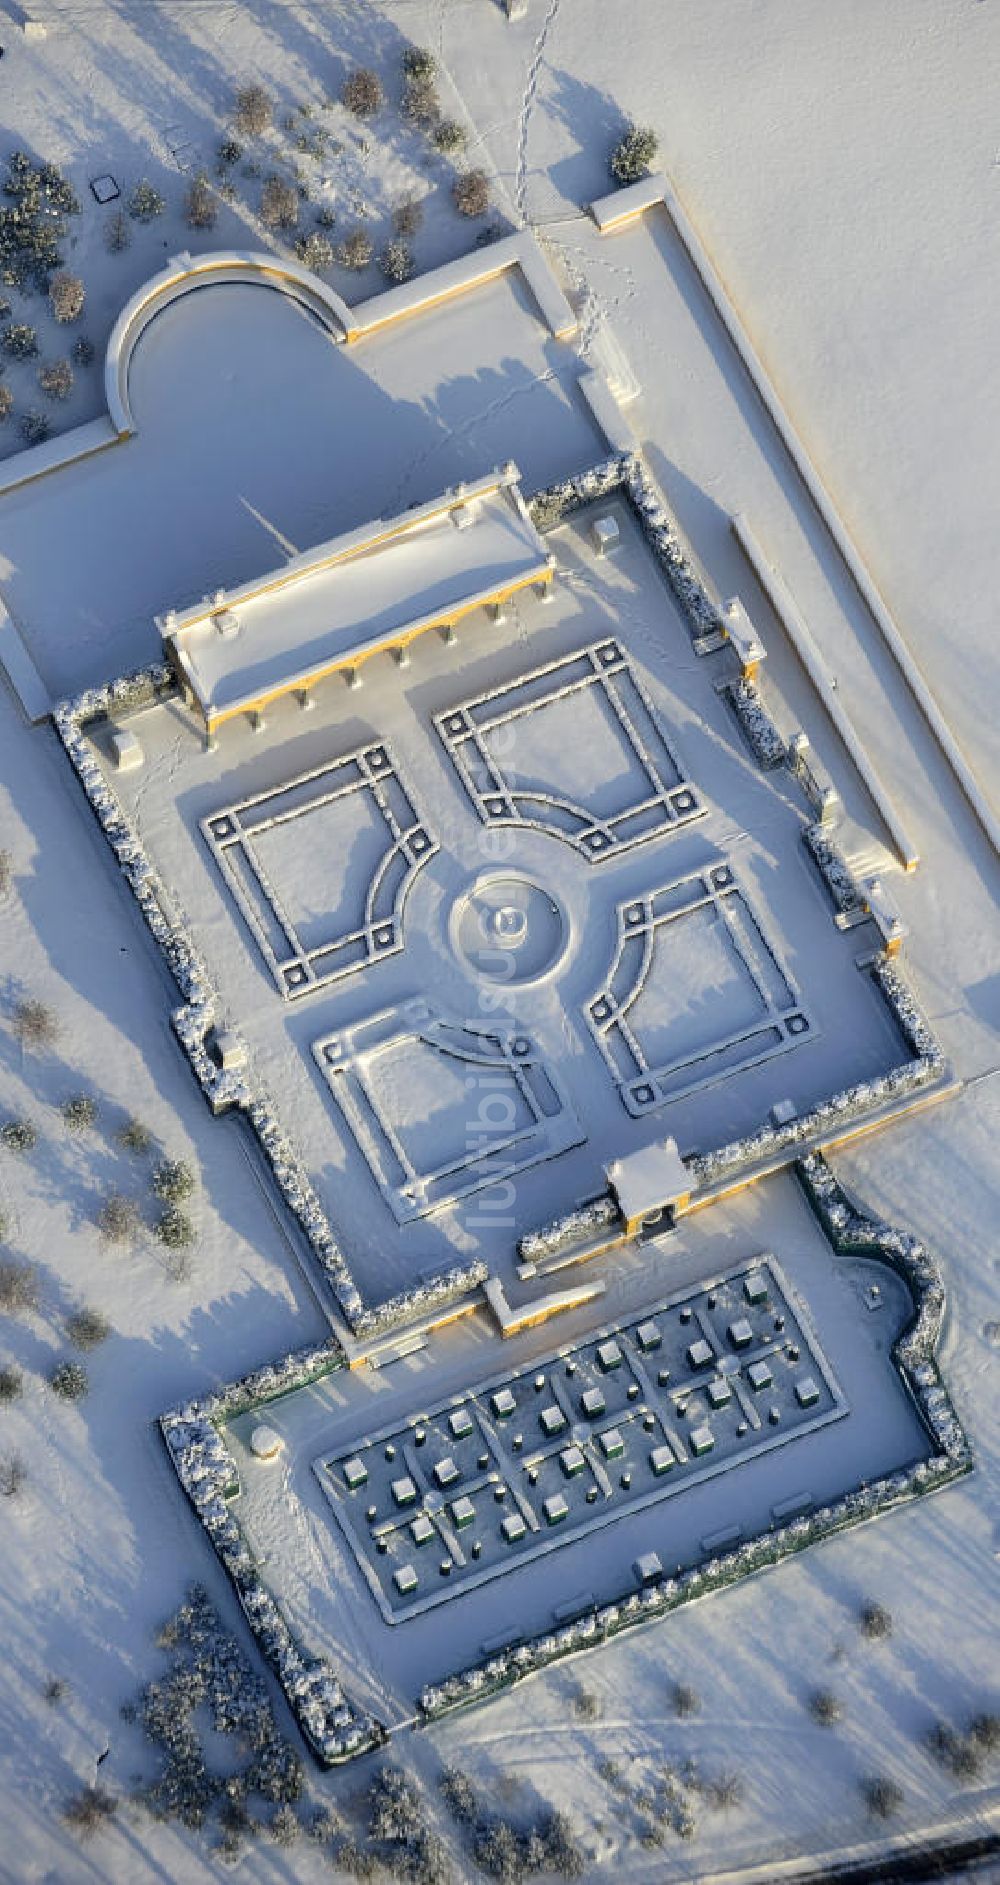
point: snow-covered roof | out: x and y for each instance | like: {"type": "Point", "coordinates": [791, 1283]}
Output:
{"type": "Point", "coordinates": [648, 1180]}
{"type": "Point", "coordinates": [354, 596]}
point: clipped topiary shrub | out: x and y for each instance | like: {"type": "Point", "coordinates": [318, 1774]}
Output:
{"type": "Point", "coordinates": [634, 154]}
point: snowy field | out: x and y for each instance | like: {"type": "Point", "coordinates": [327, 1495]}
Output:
{"type": "Point", "coordinates": [841, 166]}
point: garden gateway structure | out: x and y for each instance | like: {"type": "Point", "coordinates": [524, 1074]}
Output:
{"type": "Point", "coordinates": [536, 923]}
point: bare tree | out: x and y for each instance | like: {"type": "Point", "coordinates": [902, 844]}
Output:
{"type": "Point", "coordinates": [471, 193]}
{"type": "Point", "coordinates": [253, 112]}
{"type": "Point", "coordinates": [362, 93]}
{"type": "Point", "coordinates": [200, 206]}
{"type": "Point", "coordinates": [279, 204]}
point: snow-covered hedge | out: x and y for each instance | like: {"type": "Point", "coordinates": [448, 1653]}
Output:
{"type": "Point", "coordinates": [759, 730]}
{"type": "Point", "coordinates": [830, 1115]}
{"type": "Point", "coordinates": [834, 870]}
{"type": "Point", "coordinates": [576, 1226]}
{"type": "Point", "coordinates": [852, 1231]}
{"type": "Point", "coordinates": [914, 1354]}
{"type": "Point", "coordinates": [628, 476]}
{"type": "Point", "coordinates": [770, 1141]}
{"type": "Point", "coordinates": [330, 1723]}
{"type": "Point", "coordinates": [193, 1022]}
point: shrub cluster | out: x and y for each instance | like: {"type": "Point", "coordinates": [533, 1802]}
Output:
{"type": "Point", "coordinates": [20, 341]}
{"type": "Point", "coordinates": [315, 250]}
{"type": "Point", "coordinates": [356, 249]}
{"type": "Point", "coordinates": [33, 225]}
{"type": "Point", "coordinates": [253, 113]}
{"type": "Point", "coordinates": [79, 1112]}
{"type": "Point", "coordinates": [18, 1135]}
{"type": "Point", "coordinates": [362, 93]}
{"type": "Point", "coordinates": [396, 260]}
{"type": "Point", "coordinates": [279, 204]}
{"type": "Point", "coordinates": [69, 1380]}
{"type": "Point", "coordinates": [145, 202]}
{"type": "Point", "coordinates": [67, 296]}
{"type": "Point", "coordinates": [89, 1810]}
{"type": "Point", "coordinates": [11, 1384]}
{"type": "Point", "coordinates": [471, 193]}
{"type": "Point", "coordinates": [173, 1180]}
{"type": "Point", "coordinates": [35, 1024]}
{"type": "Point", "coordinates": [87, 1328]}
{"type": "Point", "coordinates": [208, 1672]}
{"type": "Point", "coordinates": [634, 154]}
{"type": "Point", "coordinates": [200, 207]}
{"type": "Point", "coordinates": [19, 1290]}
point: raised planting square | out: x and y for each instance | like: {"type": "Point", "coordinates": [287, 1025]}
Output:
{"type": "Point", "coordinates": [574, 749]}
{"type": "Point", "coordinates": [320, 867]}
{"type": "Point", "coordinates": [695, 991]}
